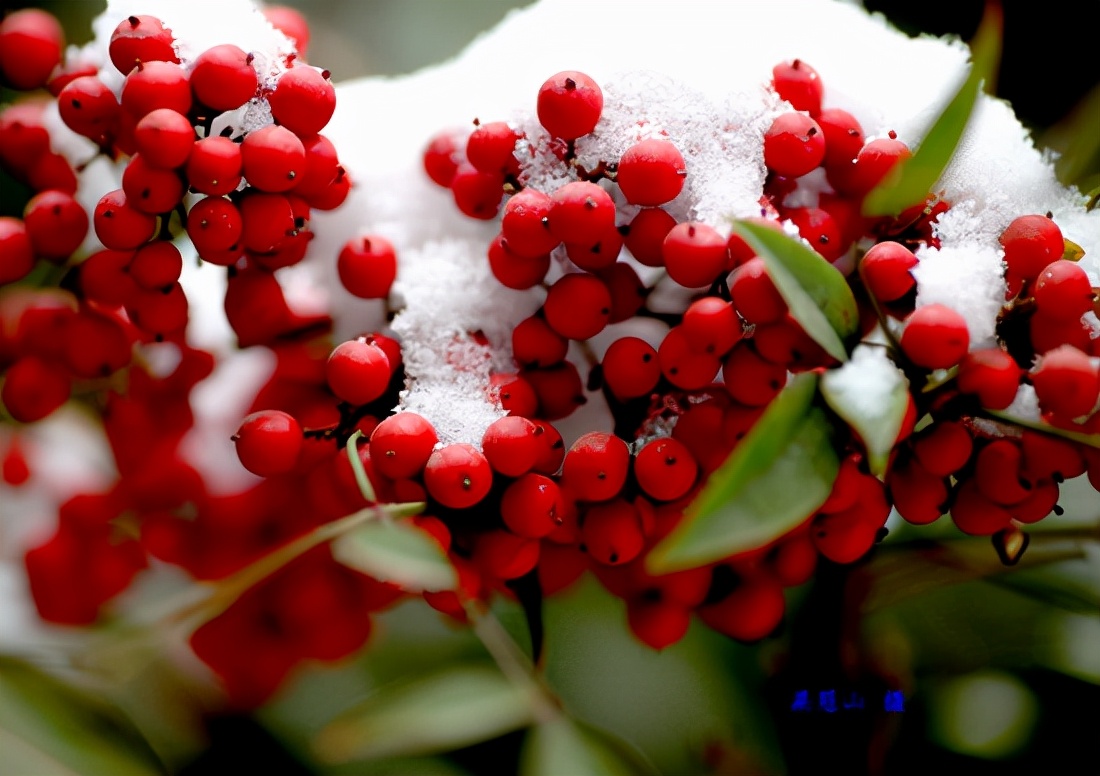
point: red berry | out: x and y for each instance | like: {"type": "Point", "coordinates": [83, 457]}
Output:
{"type": "Point", "coordinates": [214, 225]}
{"type": "Point", "coordinates": [535, 344]}
{"type": "Point", "coordinates": [442, 157]}
{"type": "Point", "coordinates": [89, 108]}
{"type": "Point", "coordinates": [793, 145]}
{"type": "Point", "coordinates": [532, 506]}
{"type": "Point", "coordinates": [651, 172]}
{"type": "Point", "coordinates": [818, 227]}
{"type": "Point", "coordinates": [223, 77]}
{"type": "Point", "coordinates": [513, 270]}
{"type": "Point", "coordinates": [578, 306]}
{"type": "Point", "coordinates": [599, 255]}
{"type": "Point", "coordinates": [569, 104]}
{"type": "Point", "coordinates": [269, 442]}
{"type": "Point", "coordinates": [153, 85]}
{"type": "Point", "coordinates": [582, 213]}
{"type": "Point", "coordinates": [992, 375]}
{"type": "Point", "coordinates": [291, 23]}
{"type": "Point", "coordinates": [165, 138]}
{"type": "Point", "coordinates": [525, 223]}
{"type": "Point", "coordinates": [119, 225]}
{"type": "Point", "coordinates": [1030, 244]}
{"type": "Point", "coordinates": [477, 194]}
{"type": "Point", "coordinates": [885, 271]}
{"type": "Point", "coordinates": [695, 254]}
{"type": "Point", "coordinates": [976, 515]}
{"type": "Point", "coordinates": [151, 189]}
{"type": "Point", "coordinates": [304, 100]}
{"type": "Point", "coordinates": [799, 84]}
{"type": "Point", "coordinates": [935, 337]}
{"type": "Point", "coordinates": [31, 43]}
{"type": "Point", "coordinates": [755, 295]}
{"type": "Point", "coordinates": [140, 39]}
{"type": "Point", "coordinates": [510, 445]}
{"type": "Point", "coordinates": [630, 368]}
{"type": "Point", "coordinates": [684, 366]}
{"type": "Point", "coordinates": [596, 466]}
{"type": "Point", "coordinates": [33, 389]}
{"type": "Point", "coordinates": [712, 325]}
{"type": "Point", "coordinates": [658, 624]}
{"type": "Point", "coordinates": [1063, 291]}
{"type": "Point", "coordinates": [367, 267]}
{"type": "Point", "coordinates": [273, 158]}
{"type": "Point", "coordinates": [870, 166]}
{"type": "Point", "coordinates": [645, 236]}
{"type": "Point", "coordinates": [56, 224]}
{"type": "Point", "coordinates": [214, 165]}
{"type": "Point", "coordinates": [401, 444]}
{"type": "Point", "coordinates": [665, 469]}
{"type": "Point", "coordinates": [750, 379]}
{"type": "Point", "coordinates": [156, 265]}
{"type": "Point", "coordinates": [491, 148]}
{"type": "Point", "coordinates": [943, 448]}
{"type": "Point", "coordinates": [919, 496]}
{"type": "Point", "coordinates": [16, 252]}
{"type": "Point", "coordinates": [358, 372]}
{"type": "Point", "coordinates": [1066, 382]}
{"type": "Point", "coordinates": [843, 136]}
{"type": "Point", "coordinates": [458, 476]}
{"type": "Point", "coordinates": [611, 532]}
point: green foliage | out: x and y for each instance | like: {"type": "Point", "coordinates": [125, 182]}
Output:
{"type": "Point", "coordinates": [909, 183]}
{"type": "Point", "coordinates": [816, 292]}
{"type": "Point", "coordinates": [49, 728]}
{"type": "Point", "coordinates": [749, 501]}
{"type": "Point", "coordinates": [452, 708]}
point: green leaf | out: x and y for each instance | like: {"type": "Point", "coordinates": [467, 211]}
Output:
{"type": "Point", "coordinates": [397, 551]}
{"type": "Point", "coordinates": [447, 710]}
{"type": "Point", "coordinates": [361, 478]}
{"type": "Point", "coordinates": [778, 475]}
{"type": "Point", "coordinates": [910, 181]}
{"type": "Point", "coordinates": [899, 572]}
{"type": "Point", "coordinates": [48, 728]}
{"type": "Point", "coordinates": [871, 394]}
{"type": "Point", "coordinates": [1091, 440]}
{"type": "Point", "coordinates": [816, 292]}
{"type": "Point", "coordinates": [564, 746]}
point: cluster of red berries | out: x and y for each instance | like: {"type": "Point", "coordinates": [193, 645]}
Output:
{"type": "Point", "coordinates": [521, 503]}
{"type": "Point", "coordinates": [730, 351]}
{"type": "Point", "coordinates": [79, 323]}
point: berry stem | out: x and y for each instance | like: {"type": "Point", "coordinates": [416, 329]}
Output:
{"type": "Point", "coordinates": [361, 478]}
{"type": "Point", "coordinates": [513, 663]}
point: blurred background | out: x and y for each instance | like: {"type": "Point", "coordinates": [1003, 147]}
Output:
{"type": "Point", "coordinates": [1001, 673]}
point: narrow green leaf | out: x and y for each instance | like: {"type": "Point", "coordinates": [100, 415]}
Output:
{"type": "Point", "coordinates": [816, 292]}
{"type": "Point", "coordinates": [397, 551]}
{"type": "Point", "coordinates": [447, 710]}
{"type": "Point", "coordinates": [361, 478]}
{"type": "Point", "coordinates": [774, 480]}
{"type": "Point", "coordinates": [871, 394]}
{"type": "Point", "coordinates": [1092, 440]}
{"type": "Point", "coordinates": [564, 746]}
{"type": "Point", "coordinates": [49, 728]}
{"type": "Point", "coordinates": [910, 182]}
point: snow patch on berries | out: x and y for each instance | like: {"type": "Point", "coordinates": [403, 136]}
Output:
{"type": "Point", "coordinates": [241, 23]}
{"type": "Point", "coordinates": [449, 293]}
{"type": "Point", "coordinates": [997, 174]}
{"type": "Point", "coordinates": [967, 278]}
